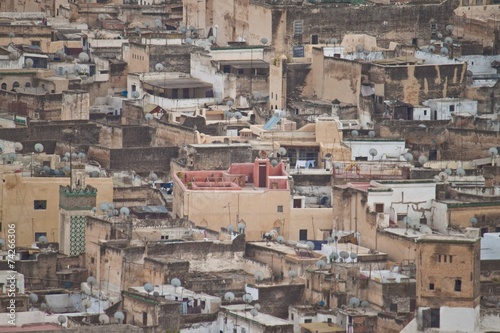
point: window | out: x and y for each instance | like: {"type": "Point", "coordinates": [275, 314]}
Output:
{"type": "Point", "coordinates": [379, 208]}
{"type": "Point", "coordinates": [35, 43]}
{"type": "Point", "coordinates": [314, 39]}
{"type": "Point", "coordinates": [394, 307]}
{"type": "Point", "coordinates": [452, 108]}
{"type": "Point", "coordinates": [4, 86]}
{"type": "Point", "coordinates": [291, 316]}
{"type": "Point", "coordinates": [15, 85]}
{"type": "Point", "coordinates": [439, 257]}
{"type": "Point", "coordinates": [27, 85]}
{"type": "Point", "coordinates": [431, 286]}
{"type": "Point", "coordinates": [279, 209]}
{"type": "Point", "coordinates": [240, 71]}
{"type": "Point", "coordinates": [40, 204]}
{"type": "Point", "coordinates": [226, 69]}
{"type": "Point", "coordinates": [303, 234]}
{"type": "Point", "coordinates": [307, 321]}
{"type": "Point", "coordinates": [425, 112]}
{"type": "Point", "coordinates": [458, 285]}
{"type": "Point", "coordinates": [0, 226]}
{"type": "Point", "coordinates": [329, 320]}
{"type": "Point", "coordinates": [39, 234]}
{"type": "Point", "coordinates": [144, 319]}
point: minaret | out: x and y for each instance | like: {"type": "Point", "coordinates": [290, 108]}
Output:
{"type": "Point", "coordinates": [75, 204]}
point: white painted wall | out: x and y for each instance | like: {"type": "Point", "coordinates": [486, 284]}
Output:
{"type": "Point", "coordinates": [421, 113]}
{"type": "Point", "coordinates": [405, 196]}
{"type": "Point", "coordinates": [459, 319]}
{"type": "Point", "coordinates": [202, 69]}
{"type": "Point", "coordinates": [361, 148]}
{"type": "Point", "coordinates": [490, 246]}
{"type": "Point", "coordinates": [439, 216]}
{"type": "Point", "coordinates": [442, 106]}
{"type": "Point", "coordinates": [168, 103]}
{"type": "Point", "coordinates": [206, 327]}
{"type": "Point", "coordinates": [4, 275]}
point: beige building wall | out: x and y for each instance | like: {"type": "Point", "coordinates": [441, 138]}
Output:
{"type": "Point", "coordinates": [138, 58]}
{"type": "Point", "coordinates": [217, 209]}
{"type": "Point", "coordinates": [277, 83]}
{"type": "Point", "coordinates": [314, 220]}
{"type": "Point", "coordinates": [441, 262]}
{"type": "Point", "coordinates": [17, 196]}
{"type": "Point", "coordinates": [336, 78]}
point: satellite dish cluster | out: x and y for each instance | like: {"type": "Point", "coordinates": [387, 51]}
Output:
{"type": "Point", "coordinates": [343, 257]}
{"type": "Point", "coordinates": [108, 208]}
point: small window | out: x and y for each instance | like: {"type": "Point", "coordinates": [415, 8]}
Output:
{"type": "Point", "coordinates": [291, 316]}
{"type": "Point", "coordinates": [314, 39]}
{"type": "Point", "coordinates": [279, 209]}
{"type": "Point", "coordinates": [394, 307]}
{"type": "Point", "coordinates": [458, 285]}
{"type": "Point", "coordinates": [329, 320]}
{"type": "Point", "coordinates": [307, 321]}
{"type": "Point", "coordinates": [226, 69]}
{"type": "Point", "coordinates": [439, 257]}
{"type": "Point", "coordinates": [92, 260]}
{"type": "Point", "coordinates": [425, 112]}
{"type": "Point", "coordinates": [39, 234]}
{"type": "Point", "coordinates": [452, 108]}
{"type": "Point", "coordinates": [445, 257]}
{"type": "Point", "coordinates": [40, 204]}
{"type": "Point", "coordinates": [15, 85]}
{"type": "Point", "coordinates": [35, 43]}
{"type": "Point", "coordinates": [451, 259]}
{"type": "Point", "coordinates": [431, 286]}
{"type": "Point", "coordinates": [379, 208]}
{"type": "Point", "coordinates": [4, 86]}
{"type": "Point", "coordinates": [27, 85]}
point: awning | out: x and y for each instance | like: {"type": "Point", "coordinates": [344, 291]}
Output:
{"type": "Point", "coordinates": [35, 55]}
{"type": "Point", "coordinates": [367, 91]}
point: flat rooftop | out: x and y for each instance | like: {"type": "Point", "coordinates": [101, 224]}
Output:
{"type": "Point", "coordinates": [243, 311]}
{"type": "Point", "coordinates": [179, 83]}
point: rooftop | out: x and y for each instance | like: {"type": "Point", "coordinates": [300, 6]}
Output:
{"type": "Point", "coordinates": [243, 311]}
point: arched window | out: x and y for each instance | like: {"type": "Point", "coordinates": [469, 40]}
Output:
{"type": "Point", "coordinates": [4, 86]}
{"type": "Point", "coordinates": [27, 85]}
{"type": "Point", "coordinates": [15, 85]}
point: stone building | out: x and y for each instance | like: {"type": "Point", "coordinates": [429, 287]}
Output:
{"type": "Point", "coordinates": [448, 274]}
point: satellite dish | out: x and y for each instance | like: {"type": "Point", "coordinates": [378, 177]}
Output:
{"type": "Point", "coordinates": [460, 172]}
{"type": "Point", "coordinates": [334, 40]}
{"type": "Point", "coordinates": [175, 282]}
{"type": "Point", "coordinates": [241, 227]}
{"type": "Point", "coordinates": [119, 316]}
{"type": "Point", "coordinates": [211, 39]}
{"type": "Point", "coordinates": [448, 40]}
{"type": "Point", "coordinates": [280, 239]}
{"type": "Point", "coordinates": [148, 287]}
{"type": "Point", "coordinates": [247, 298]}
{"type": "Point", "coordinates": [230, 103]}
{"type": "Point", "coordinates": [444, 51]}
{"type": "Point", "coordinates": [104, 206]}
{"type": "Point", "coordinates": [188, 41]}
{"type": "Point", "coordinates": [333, 256]}
{"type": "Point", "coordinates": [77, 69]}
{"type": "Point", "coordinates": [292, 274]}
{"type": "Point", "coordinates": [104, 319]}
{"type": "Point", "coordinates": [124, 211]}
{"type": "Point", "coordinates": [422, 159]}
{"type": "Point", "coordinates": [257, 306]}
{"type": "Point", "coordinates": [354, 302]}
{"type": "Point", "coordinates": [365, 305]}
{"type": "Point", "coordinates": [274, 162]}
{"type": "Point", "coordinates": [354, 133]}
{"type": "Point", "coordinates": [371, 134]}
{"type": "Point", "coordinates": [408, 157]}
{"type": "Point", "coordinates": [43, 240]}
{"type": "Point", "coordinates": [61, 319]}
{"type": "Point", "coordinates": [431, 48]}
{"type": "Point", "coordinates": [29, 62]}
{"type": "Point", "coordinates": [344, 255]}
{"type": "Point", "coordinates": [229, 296]}
{"type": "Point", "coordinates": [373, 152]}
{"type": "Point", "coordinates": [91, 281]}
{"type": "Point", "coordinates": [469, 73]}
{"type": "Point", "coordinates": [443, 176]}
{"type": "Point", "coordinates": [310, 245]}
{"type": "Point", "coordinates": [156, 294]}
{"type": "Point", "coordinates": [473, 221]}
{"type": "Point", "coordinates": [38, 147]}
{"type": "Point", "coordinates": [33, 298]}
{"type": "Point", "coordinates": [86, 303]}
{"type": "Point", "coordinates": [359, 48]}
{"type": "Point", "coordinates": [159, 67]}
{"type": "Point", "coordinates": [83, 57]}
{"type": "Point", "coordinates": [259, 276]}
{"type": "Point", "coordinates": [493, 151]}
{"type": "Point", "coordinates": [18, 146]}
{"type": "Point", "coordinates": [94, 210]}
{"type": "Point", "coordinates": [353, 256]}
{"type": "Point", "coordinates": [449, 28]}
{"type": "Point", "coordinates": [147, 24]}
{"type": "Point", "coordinates": [425, 50]}
{"type": "Point", "coordinates": [138, 30]}
{"type": "Point", "coordinates": [281, 151]}
{"type": "Point", "coordinates": [230, 228]}
{"type": "Point", "coordinates": [448, 171]}
{"type": "Point", "coordinates": [439, 35]}
{"type": "Point", "coordinates": [320, 264]}
{"type": "Point", "coordinates": [149, 116]}
{"type": "Point", "coordinates": [254, 312]}
{"type": "Point", "coordinates": [101, 17]}
{"type": "Point", "coordinates": [238, 115]}
{"type": "Point", "coordinates": [12, 35]}
{"type": "Point", "coordinates": [111, 205]}
{"type": "Point", "coordinates": [135, 94]}
{"type": "Point", "coordinates": [337, 165]}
